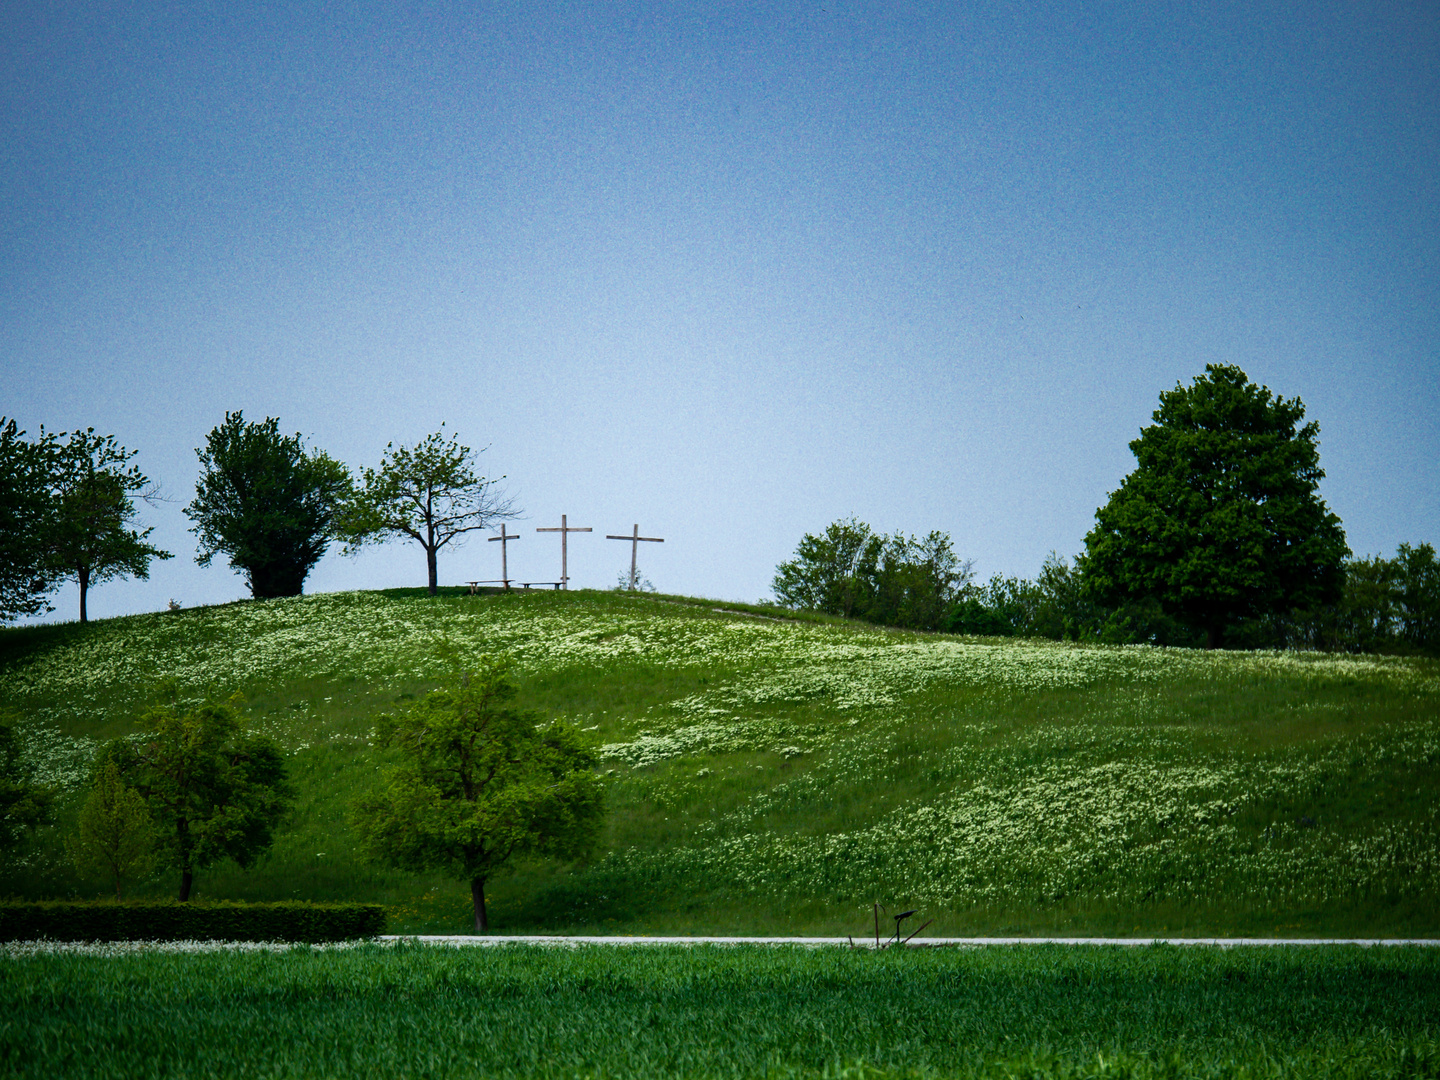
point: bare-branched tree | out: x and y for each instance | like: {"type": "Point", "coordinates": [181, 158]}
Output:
{"type": "Point", "coordinates": [430, 493]}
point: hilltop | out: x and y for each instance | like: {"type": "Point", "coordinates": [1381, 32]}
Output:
{"type": "Point", "coordinates": [774, 774]}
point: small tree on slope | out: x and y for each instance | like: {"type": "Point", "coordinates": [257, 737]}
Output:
{"type": "Point", "coordinates": [113, 835]}
{"type": "Point", "coordinates": [477, 783]}
{"type": "Point", "coordinates": [214, 790]}
{"type": "Point", "coordinates": [88, 537]}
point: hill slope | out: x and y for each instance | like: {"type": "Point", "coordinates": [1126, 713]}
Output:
{"type": "Point", "coordinates": [779, 775]}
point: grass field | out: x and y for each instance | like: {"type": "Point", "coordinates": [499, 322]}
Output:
{"type": "Point", "coordinates": [414, 1011]}
{"type": "Point", "coordinates": [777, 775]}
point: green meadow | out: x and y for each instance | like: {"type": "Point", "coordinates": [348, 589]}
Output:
{"type": "Point", "coordinates": [767, 774]}
{"type": "Point", "coordinates": [526, 1011]}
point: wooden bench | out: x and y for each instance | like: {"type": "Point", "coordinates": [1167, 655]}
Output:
{"type": "Point", "coordinates": [475, 585]}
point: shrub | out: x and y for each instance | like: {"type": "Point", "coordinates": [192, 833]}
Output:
{"type": "Point", "coordinates": [170, 920]}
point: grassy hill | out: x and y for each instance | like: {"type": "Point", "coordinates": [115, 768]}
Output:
{"type": "Point", "coordinates": [777, 775]}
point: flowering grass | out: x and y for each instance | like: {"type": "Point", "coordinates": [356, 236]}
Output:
{"type": "Point", "coordinates": [777, 775]}
{"type": "Point", "coordinates": [525, 1011]}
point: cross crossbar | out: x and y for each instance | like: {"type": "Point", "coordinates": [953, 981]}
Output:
{"type": "Point", "coordinates": [504, 539]}
{"type": "Point", "coordinates": [565, 530]}
{"type": "Point", "coordinates": [635, 539]}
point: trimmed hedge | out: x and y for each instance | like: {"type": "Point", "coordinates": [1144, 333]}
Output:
{"type": "Point", "coordinates": [170, 920]}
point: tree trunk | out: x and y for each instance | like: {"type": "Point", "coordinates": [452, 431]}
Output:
{"type": "Point", "coordinates": [186, 880]}
{"type": "Point", "coordinates": [430, 565]}
{"type": "Point", "coordinates": [1212, 638]}
{"type": "Point", "coordinates": [477, 897]}
{"type": "Point", "coordinates": [84, 577]}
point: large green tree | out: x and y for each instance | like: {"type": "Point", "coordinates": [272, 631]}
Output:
{"type": "Point", "coordinates": [431, 493]}
{"type": "Point", "coordinates": [1221, 520]}
{"type": "Point", "coordinates": [267, 502]}
{"type": "Point", "coordinates": [213, 789]}
{"type": "Point", "coordinates": [476, 782]}
{"type": "Point", "coordinates": [26, 510]}
{"type": "Point", "coordinates": [89, 536]}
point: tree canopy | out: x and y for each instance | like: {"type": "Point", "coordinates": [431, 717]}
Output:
{"type": "Point", "coordinates": [832, 572]}
{"type": "Point", "coordinates": [267, 502]}
{"type": "Point", "coordinates": [89, 537]}
{"type": "Point", "coordinates": [113, 833]}
{"type": "Point", "coordinates": [1221, 520]}
{"type": "Point", "coordinates": [213, 789]}
{"type": "Point", "coordinates": [1389, 605]}
{"type": "Point", "coordinates": [430, 493]}
{"type": "Point", "coordinates": [26, 506]}
{"type": "Point", "coordinates": [850, 570]}
{"type": "Point", "coordinates": [475, 783]}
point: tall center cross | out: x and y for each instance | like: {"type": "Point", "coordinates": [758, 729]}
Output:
{"type": "Point", "coordinates": [635, 539]}
{"type": "Point", "coordinates": [504, 564]}
{"type": "Point", "coordinates": [564, 530]}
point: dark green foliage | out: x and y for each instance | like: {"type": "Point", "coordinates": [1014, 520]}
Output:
{"type": "Point", "coordinates": [1138, 622]}
{"type": "Point", "coordinates": [1387, 605]}
{"type": "Point", "coordinates": [114, 835]}
{"type": "Point", "coordinates": [478, 784]}
{"type": "Point", "coordinates": [266, 502]}
{"type": "Point", "coordinates": [1365, 618]}
{"type": "Point", "coordinates": [517, 1011]}
{"type": "Point", "coordinates": [916, 581]}
{"type": "Point", "coordinates": [66, 509]}
{"type": "Point", "coordinates": [1052, 606]}
{"type": "Point", "coordinates": [24, 805]}
{"type": "Point", "coordinates": [1220, 522]}
{"type": "Point", "coordinates": [850, 571]}
{"type": "Point", "coordinates": [833, 572]}
{"type": "Point", "coordinates": [26, 505]}
{"type": "Point", "coordinates": [88, 537]}
{"type": "Point", "coordinates": [1418, 572]}
{"type": "Point", "coordinates": [1058, 609]}
{"type": "Point", "coordinates": [214, 790]}
{"type": "Point", "coordinates": [986, 612]}
{"type": "Point", "coordinates": [66, 920]}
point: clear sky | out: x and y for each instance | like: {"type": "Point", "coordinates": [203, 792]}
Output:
{"type": "Point", "coordinates": [727, 271]}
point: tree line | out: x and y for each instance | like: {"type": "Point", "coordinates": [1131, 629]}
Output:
{"type": "Point", "coordinates": [264, 500]}
{"type": "Point", "coordinates": [1218, 537]}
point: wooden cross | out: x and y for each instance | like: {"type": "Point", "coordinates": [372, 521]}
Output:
{"type": "Point", "coordinates": [504, 543]}
{"type": "Point", "coordinates": [564, 530]}
{"type": "Point", "coordinates": [635, 539]}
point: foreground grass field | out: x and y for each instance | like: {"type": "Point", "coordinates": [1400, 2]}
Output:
{"type": "Point", "coordinates": [777, 776]}
{"type": "Point", "coordinates": [1035, 1011]}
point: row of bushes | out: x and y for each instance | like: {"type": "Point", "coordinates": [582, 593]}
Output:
{"type": "Point", "coordinates": [1385, 606]}
{"type": "Point", "coordinates": [63, 920]}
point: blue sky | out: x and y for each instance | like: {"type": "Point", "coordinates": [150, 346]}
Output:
{"type": "Point", "coordinates": [727, 271]}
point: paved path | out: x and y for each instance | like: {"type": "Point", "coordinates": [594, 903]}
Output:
{"type": "Point", "coordinates": [820, 942]}
{"type": "Point", "coordinates": [17, 949]}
